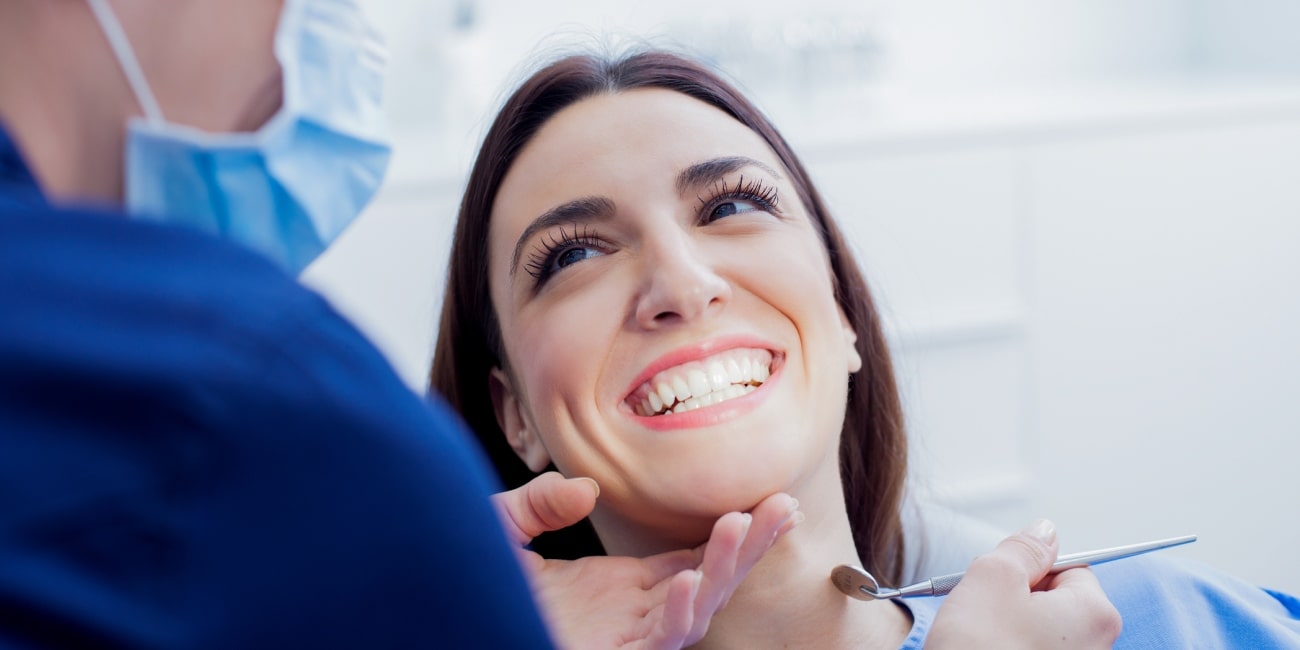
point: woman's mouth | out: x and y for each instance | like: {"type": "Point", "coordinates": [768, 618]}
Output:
{"type": "Point", "coordinates": [715, 379]}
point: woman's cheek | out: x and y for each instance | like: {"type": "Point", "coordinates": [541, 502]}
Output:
{"type": "Point", "coordinates": [556, 348]}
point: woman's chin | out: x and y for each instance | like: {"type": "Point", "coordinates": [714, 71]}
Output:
{"type": "Point", "coordinates": [709, 497]}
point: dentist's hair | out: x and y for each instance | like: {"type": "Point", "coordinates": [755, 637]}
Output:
{"type": "Point", "coordinates": [873, 444]}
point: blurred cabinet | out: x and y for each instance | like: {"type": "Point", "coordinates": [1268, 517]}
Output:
{"type": "Point", "coordinates": [1097, 324]}
{"type": "Point", "coordinates": [1165, 339]}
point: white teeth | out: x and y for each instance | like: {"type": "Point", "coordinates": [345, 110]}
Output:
{"type": "Point", "coordinates": [716, 397]}
{"type": "Point", "coordinates": [704, 383]}
{"type": "Point", "coordinates": [718, 379]}
{"type": "Point", "coordinates": [733, 372]}
{"type": "Point", "coordinates": [698, 382]}
{"type": "Point", "coordinates": [680, 389]}
{"type": "Point", "coordinates": [666, 395]}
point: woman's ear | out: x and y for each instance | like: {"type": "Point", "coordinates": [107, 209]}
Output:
{"type": "Point", "coordinates": [851, 344]}
{"type": "Point", "coordinates": [510, 417]}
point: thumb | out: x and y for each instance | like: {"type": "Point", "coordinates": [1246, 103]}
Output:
{"type": "Point", "coordinates": [548, 502]}
{"type": "Point", "coordinates": [1034, 549]}
{"type": "Point", "coordinates": [1023, 559]}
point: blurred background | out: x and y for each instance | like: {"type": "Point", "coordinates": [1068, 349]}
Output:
{"type": "Point", "coordinates": [1080, 217]}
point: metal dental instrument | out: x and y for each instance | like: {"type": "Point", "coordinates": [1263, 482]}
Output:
{"type": "Point", "coordinates": [856, 582]}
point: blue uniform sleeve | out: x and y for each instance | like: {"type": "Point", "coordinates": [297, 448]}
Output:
{"type": "Point", "coordinates": [1169, 603]}
{"type": "Point", "coordinates": [197, 452]}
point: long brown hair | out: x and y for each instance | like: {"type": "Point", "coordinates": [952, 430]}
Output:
{"type": "Point", "coordinates": [873, 445]}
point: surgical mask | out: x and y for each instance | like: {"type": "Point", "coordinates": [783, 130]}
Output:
{"type": "Point", "coordinates": [290, 188]}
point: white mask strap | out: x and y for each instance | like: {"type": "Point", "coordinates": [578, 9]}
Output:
{"type": "Point", "coordinates": [126, 59]}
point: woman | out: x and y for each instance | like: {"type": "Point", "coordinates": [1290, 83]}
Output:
{"type": "Point", "coordinates": [648, 285]}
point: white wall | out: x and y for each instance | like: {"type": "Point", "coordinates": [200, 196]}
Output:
{"type": "Point", "coordinates": [1091, 287]}
{"type": "Point", "coordinates": [1245, 37]}
{"type": "Point", "coordinates": [1095, 319]}
{"type": "Point", "coordinates": [1165, 339]}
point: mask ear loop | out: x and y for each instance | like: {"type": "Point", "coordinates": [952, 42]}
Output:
{"type": "Point", "coordinates": [126, 59]}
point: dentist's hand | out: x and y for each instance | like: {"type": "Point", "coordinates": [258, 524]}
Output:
{"type": "Point", "coordinates": [1007, 600]}
{"type": "Point", "coordinates": [662, 602]}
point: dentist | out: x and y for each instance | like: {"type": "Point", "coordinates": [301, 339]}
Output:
{"type": "Point", "coordinates": [195, 451]}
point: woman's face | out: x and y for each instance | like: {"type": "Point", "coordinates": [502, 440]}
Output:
{"type": "Point", "coordinates": [667, 313]}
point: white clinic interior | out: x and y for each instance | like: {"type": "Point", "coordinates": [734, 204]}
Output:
{"type": "Point", "coordinates": [1080, 218]}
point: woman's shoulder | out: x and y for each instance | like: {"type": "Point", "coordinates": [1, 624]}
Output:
{"type": "Point", "coordinates": [1168, 603]}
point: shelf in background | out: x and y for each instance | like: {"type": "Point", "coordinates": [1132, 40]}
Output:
{"type": "Point", "coordinates": [886, 120]}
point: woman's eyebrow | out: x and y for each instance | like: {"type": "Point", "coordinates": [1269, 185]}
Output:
{"type": "Point", "coordinates": [577, 211]}
{"type": "Point", "coordinates": [711, 171]}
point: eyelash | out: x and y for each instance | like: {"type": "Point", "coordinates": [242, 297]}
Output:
{"type": "Point", "coordinates": [752, 190]}
{"type": "Point", "coordinates": [542, 260]}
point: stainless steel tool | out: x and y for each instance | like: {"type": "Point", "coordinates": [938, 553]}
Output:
{"type": "Point", "coordinates": [856, 582]}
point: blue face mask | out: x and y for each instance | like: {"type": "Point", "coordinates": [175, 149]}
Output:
{"type": "Point", "coordinates": [290, 188]}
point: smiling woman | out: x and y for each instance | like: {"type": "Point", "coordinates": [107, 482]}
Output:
{"type": "Point", "coordinates": [679, 277]}
{"type": "Point", "coordinates": [646, 289]}
{"type": "Point", "coordinates": [585, 255]}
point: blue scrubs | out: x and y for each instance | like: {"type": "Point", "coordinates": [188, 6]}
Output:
{"type": "Point", "coordinates": [1172, 605]}
{"type": "Point", "coordinates": [195, 451]}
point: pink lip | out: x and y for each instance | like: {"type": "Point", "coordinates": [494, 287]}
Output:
{"type": "Point", "coordinates": [707, 415]}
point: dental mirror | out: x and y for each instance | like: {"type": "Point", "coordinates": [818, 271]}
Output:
{"type": "Point", "coordinates": [856, 582]}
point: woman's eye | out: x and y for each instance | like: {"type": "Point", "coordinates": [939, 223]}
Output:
{"type": "Point", "coordinates": [564, 248]}
{"type": "Point", "coordinates": [733, 207]}
{"type": "Point", "coordinates": [574, 255]}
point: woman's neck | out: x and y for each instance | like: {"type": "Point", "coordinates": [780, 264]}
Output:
{"type": "Point", "coordinates": [788, 599]}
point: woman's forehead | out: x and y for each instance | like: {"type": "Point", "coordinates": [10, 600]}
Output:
{"type": "Point", "coordinates": [641, 131]}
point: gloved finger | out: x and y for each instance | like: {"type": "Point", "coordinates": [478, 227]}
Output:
{"type": "Point", "coordinates": [658, 568]}
{"type": "Point", "coordinates": [1019, 562]}
{"type": "Point", "coordinates": [772, 518]}
{"type": "Point", "coordinates": [718, 569]}
{"type": "Point", "coordinates": [670, 623]}
{"type": "Point", "coordinates": [1073, 580]}
{"type": "Point", "coordinates": [1079, 592]}
{"type": "Point", "coordinates": [548, 502]}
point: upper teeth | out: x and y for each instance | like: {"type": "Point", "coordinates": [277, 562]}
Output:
{"type": "Point", "coordinates": [718, 378]}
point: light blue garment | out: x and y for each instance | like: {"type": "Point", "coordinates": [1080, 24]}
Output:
{"type": "Point", "coordinates": [292, 187]}
{"type": "Point", "coordinates": [1173, 604]}
{"type": "Point", "coordinates": [922, 611]}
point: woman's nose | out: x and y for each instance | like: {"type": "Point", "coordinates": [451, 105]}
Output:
{"type": "Point", "coordinates": [680, 286]}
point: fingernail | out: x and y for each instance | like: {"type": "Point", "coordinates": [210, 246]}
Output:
{"type": "Point", "coordinates": [1042, 529]}
{"type": "Point", "coordinates": [749, 519]}
{"type": "Point", "coordinates": [794, 520]}
{"type": "Point", "coordinates": [794, 504]}
{"type": "Point", "coordinates": [595, 487]}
